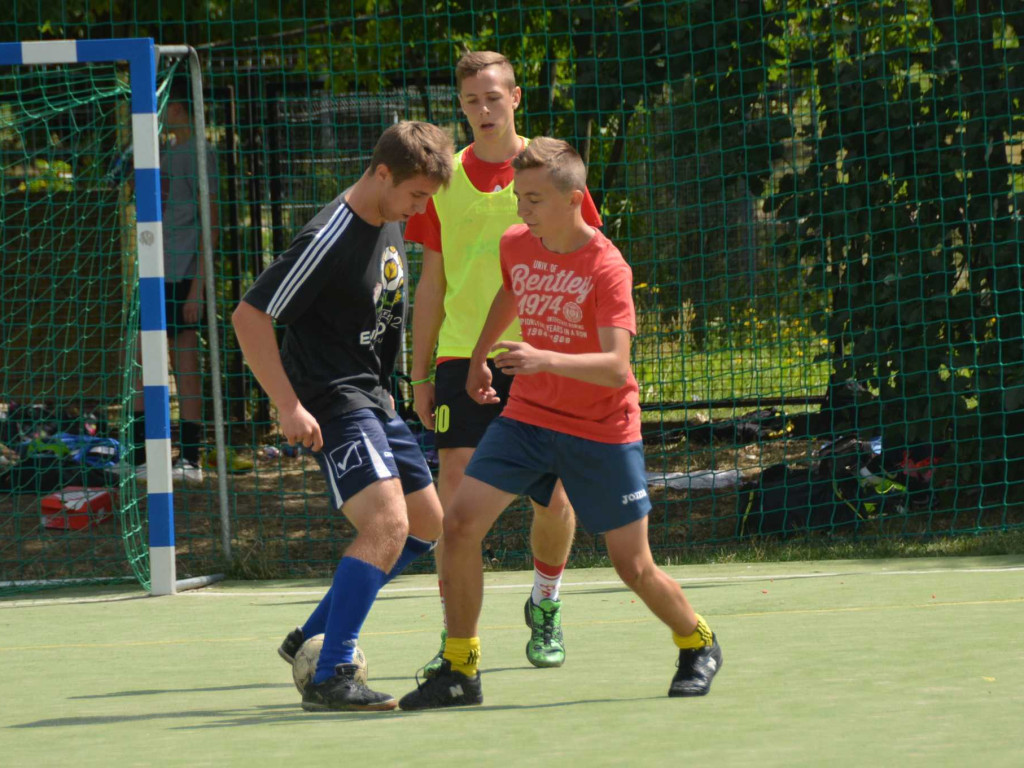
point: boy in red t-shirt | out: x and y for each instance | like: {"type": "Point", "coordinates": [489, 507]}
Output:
{"type": "Point", "coordinates": [573, 415]}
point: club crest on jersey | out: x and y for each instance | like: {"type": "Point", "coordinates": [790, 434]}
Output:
{"type": "Point", "coordinates": [387, 294]}
{"type": "Point", "coordinates": [392, 278]}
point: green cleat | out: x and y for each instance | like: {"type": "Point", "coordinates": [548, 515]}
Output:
{"type": "Point", "coordinates": [432, 667]}
{"type": "Point", "coordinates": [546, 647]}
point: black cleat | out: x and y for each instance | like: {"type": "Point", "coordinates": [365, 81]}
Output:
{"type": "Point", "coordinates": [291, 645]}
{"type": "Point", "coordinates": [447, 688]}
{"type": "Point", "coordinates": [697, 667]}
{"type": "Point", "coordinates": [341, 693]}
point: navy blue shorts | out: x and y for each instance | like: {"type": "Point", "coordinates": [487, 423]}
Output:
{"type": "Point", "coordinates": [361, 448]}
{"type": "Point", "coordinates": [605, 482]}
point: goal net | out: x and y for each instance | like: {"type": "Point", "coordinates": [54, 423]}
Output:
{"type": "Point", "coordinates": [69, 319]}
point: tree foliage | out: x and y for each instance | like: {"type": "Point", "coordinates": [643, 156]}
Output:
{"type": "Point", "coordinates": [853, 160]}
{"type": "Point", "coordinates": [901, 201]}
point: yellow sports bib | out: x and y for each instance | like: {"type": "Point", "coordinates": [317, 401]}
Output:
{"type": "Point", "coordinates": [472, 223]}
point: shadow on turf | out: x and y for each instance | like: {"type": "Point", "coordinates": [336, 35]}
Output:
{"type": "Point", "coordinates": [157, 691]}
{"type": "Point", "coordinates": [267, 714]}
{"type": "Point", "coordinates": [63, 722]}
{"type": "Point", "coordinates": [295, 714]}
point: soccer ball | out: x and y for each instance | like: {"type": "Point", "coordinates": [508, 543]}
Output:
{"type": "Point", "coordinates": [304, 666]}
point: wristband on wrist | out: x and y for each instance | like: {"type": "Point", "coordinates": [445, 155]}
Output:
{"type": "Point", "coordinates": [422, 381]}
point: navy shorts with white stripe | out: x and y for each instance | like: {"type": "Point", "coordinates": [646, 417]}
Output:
{"type": "Point", "coordinates": [361, 448]}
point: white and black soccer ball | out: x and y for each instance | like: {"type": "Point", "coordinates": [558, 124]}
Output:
{"type": "Point", "coordinates": [304, 666]}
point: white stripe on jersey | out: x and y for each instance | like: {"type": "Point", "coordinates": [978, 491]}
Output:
{"type": "Point", "coordinates": [308, 261]}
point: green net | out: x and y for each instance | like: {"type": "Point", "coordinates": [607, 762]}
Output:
{"type": "Point", "coordinates": [65, 310]}
{"type": "Point", "coordinates": [820, 203]}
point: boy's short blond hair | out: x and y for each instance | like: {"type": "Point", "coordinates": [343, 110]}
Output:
{"type": "Point", "coordinates": [411, 148]}
{"type": "Point", "coordinates": [474, 62]}
{"type": "Point", "coordinates": [562, 161]}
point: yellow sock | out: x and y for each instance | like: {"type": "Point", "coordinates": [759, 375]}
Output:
{"type": "Point", "coordinates": [699, 638]}
{"type": "Point", "coordinates": [463, 653]}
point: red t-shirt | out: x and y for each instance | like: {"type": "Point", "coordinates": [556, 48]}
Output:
{"type": "Point", "coordinates": [562, 299]}
{"type": "Point", "coordinates": [425, 228]}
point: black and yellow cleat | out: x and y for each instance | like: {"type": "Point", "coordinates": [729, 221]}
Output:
{"type": "Point", "coordinates": [697, 668]}
{"type": "Point", "coordinates": [447, 688]}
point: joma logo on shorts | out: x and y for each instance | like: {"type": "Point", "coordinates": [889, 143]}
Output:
{"type": "Point", "coordinates": [634, 496]}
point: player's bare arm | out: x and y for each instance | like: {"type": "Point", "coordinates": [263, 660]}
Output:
{"type": "Point", "coordinates": [607, 368]}
{"type": "Point", "coordinates": [499, 317]}
{"type": "Point", "coordinates": [255, 332]}
{"type": "Point", "coordinates": [427, 316]}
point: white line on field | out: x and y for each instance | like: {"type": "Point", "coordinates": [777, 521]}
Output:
{"type": "Point", "coordinates": [221, 592]}
{"type": "Point", "coordinates": [213, 591]}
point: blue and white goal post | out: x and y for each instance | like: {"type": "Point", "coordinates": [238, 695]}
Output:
{"type": "Point", "coordinates": [141, 56]}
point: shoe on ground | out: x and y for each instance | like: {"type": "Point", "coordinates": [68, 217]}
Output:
{"type": "Point", "coordinates": [341, 693]}
{"type": "Point", "coordinates": [697, 668]}
{"type": "Point", "coordinates": [547, 646]}
{"type": "Point", "coordinates": [447, 688]}
{"type": "Point", "coordinates": [432, 667]}
{"type": "Point", "coordinates": [291, 645]}
{"type": "Point", "coordinates": [184, 471]}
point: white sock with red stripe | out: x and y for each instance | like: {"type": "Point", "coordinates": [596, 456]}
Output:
{"type": "Point", "coordinates": [440, 590]}
{"type": "Point", "coordinates": [546, 581]}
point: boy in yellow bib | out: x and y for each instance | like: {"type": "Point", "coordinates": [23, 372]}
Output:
{"type": "Point", "coordinates": [460, 232]}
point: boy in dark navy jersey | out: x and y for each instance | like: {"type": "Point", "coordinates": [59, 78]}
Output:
{"type": "Point", "coordinates": [339, 290]}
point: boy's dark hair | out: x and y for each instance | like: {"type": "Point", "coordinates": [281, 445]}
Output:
{"type": "Point", "coordinates": [411, 148]}
{"type": "Point", "coordinates": [562, 161]}
{"type": "Point", "coordinates": [474, 62]}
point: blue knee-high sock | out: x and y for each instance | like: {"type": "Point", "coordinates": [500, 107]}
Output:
{"type": "Point", "coordinates": [413, 548]}
{"type": "Point", "coordinates": [317, 621]}
{"type": "Point", "coordinates": [354, 589]}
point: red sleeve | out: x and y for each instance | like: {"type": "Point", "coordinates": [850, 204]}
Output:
{"type": "Point", "coordinates": [590, 214]}
{"type": "Point", "coordinates": [615, 298]}
{"type": "Point", "coordinates": [503, 250]}
{"type": "Point", "coordinates": [425, 228]}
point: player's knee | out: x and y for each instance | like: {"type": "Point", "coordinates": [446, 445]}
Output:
{"type": "Point", "coordinates": [458, 526]}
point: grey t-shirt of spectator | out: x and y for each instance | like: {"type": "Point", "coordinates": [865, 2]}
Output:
{"type": "Point", "coordinates": [179, 185]}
